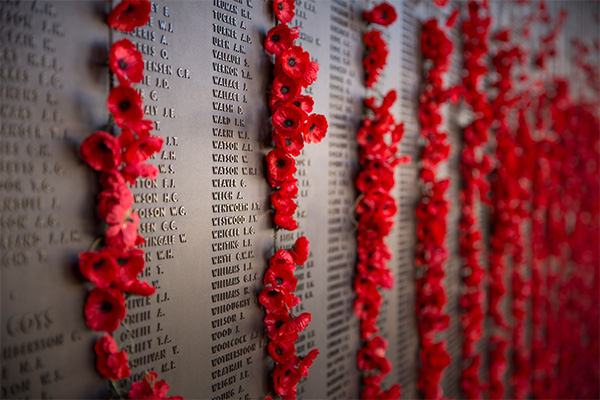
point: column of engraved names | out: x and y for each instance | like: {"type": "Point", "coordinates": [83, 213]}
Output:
{"type": "Point", "coordinates": [149, 342]}
{"type": "Point", "coordinates": [235, 167]}
{"type": "Point", "coordinates": [38, 231]}
{"type": "Point", "coordinates": [343, 108]}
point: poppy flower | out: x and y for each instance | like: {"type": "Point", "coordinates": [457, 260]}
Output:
{"type": "Point", "coordinates": [305, 103]}
{"type": "Point", "coordinates": [126, 62]}
{"type": "Point", "coordinates": [301, 250]}
{"type": "Point", "coordinates": [129, 14]}
{"type": "Point", "coordinates": [276, 322]}
{"type": "Point", "coordinates": [125, 104]}
{"type": "Point", "coordinates": [280, 38]}
{"type": "Point", "coordinates": [289, 188]}
{"type": "Point", "coordinates": [294, 61]}
{"type": "Point", "coordinates": [114, 204]}
{"type": "Point", "coordinates": [124, 235]}
{"type": "Point", "coordinates": [130, 265]}
{"type": "Point", "coordinates": [104, 309]}
{"type": "Point", "coordinates": [280, 167]}
{"type": "Point", "coordinates": [284, 10]}
{"type": "Point", "coordinates": [142, 149]}
{"type": "Point", "coordinates": [150, 388]}
{"type": "Point", "coordinates": [310, 74]}
{"type": "Point", "coordinates": [132, 172]}
{"type": "Point", "coordinates": [284, 90]}
{"type": "Point", "coordinates": [286, 222]}
{"type": "Point", "coordinates": [281, 276]}
{"type": "Point", "coordinates": [276, 298]}
{"type": "Point", "coordinates": [282, 204]}
{"type": "Point", "coordinates": [285, 379]}
{"type": "Point", "coordinates": [315, 128]}
{"type": "Point", "coordinates": [100, 267]}
{"type": "Point", "coordinates": [281, 352]}
{"type": "Point", "coordinates": [288, 121]}
{"type": "Point", "coordinates": [290, 144]}
{"type": "Point", "coordinates": [307, 362]}
{"type": "Point", "coordinates": [101, 151]}
{"type": "Point", "coordinates": [111, 363]}
{"type": "Point", "coordinates": [383, 14]}
{"type": "Point", "coordinates": [282, 258]}
{"type": "Point", "coordinates": [111, 179]}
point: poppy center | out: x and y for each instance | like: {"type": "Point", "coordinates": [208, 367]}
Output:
{"type": "Point", "coordinates": [285, 89]}
{"type": "Point", "coordinates": [312, 127]}
{"type": "Point", "coordinates": [122, 64]}
{"type": "Point", "coordinates": [278, 351]}
{"type": "Point", "coordinates": [98, 264]}
{"type": "Point", "coordinates": [288, 141]}
{"type": "Point", "coordinates": [104, 148]}
{"type": "Point", "coordinates": [280, 163]}
{"type": "Point", "coordinates": [130, 9]}
{"type": "Point", "coordinates": [275, 38]}
{"type": "Point", "coordinates": [124, 105]}
{"type": "Point", "coordinates": [288, 123]}
{"type": "Point", "coordinates": [296, 103]}
{"type": "Point", "coordinates": [272, 293]}
{"type": "Point", "coordinates": [122, 260]}
{"type": "Point", "coordinates": [106, 307]}
{"type": "Point", "coordinates": [278, 324]}
{"type": "Point", "coordinates": [280, 6]}
{"type": "Point", "coordinates": [292, 62]}
{"type": "Point", "coordinates": [279, 281]}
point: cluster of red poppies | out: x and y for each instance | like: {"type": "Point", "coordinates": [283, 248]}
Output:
{"type": "Point", "coordinates": [377, 51]}
{"type": "Point", "coordinates": [474, 167]}
{"type": "Point", "coordinates": [507, 210]}
{"type": "Point", "coordinates": [291, 119]}
{"type": "Point", "coordinates": [378, 140]}
{"type": "Point", "coordinates": [431, 212]}
{"type": "Point", "coordinates": [277, 297]}
{"type": "Point", "coordinates": [114, 269]}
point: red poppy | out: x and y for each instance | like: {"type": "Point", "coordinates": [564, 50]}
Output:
{"type": "Point", "coordinates": [126, 62]}
{"type": "Point", "coordinates": [282, 258]}
{"type": "Point", "coordinates": [310, 74]}
{"type": "Point", "coordinates": [307, 362]}
{"type": "Point", "coordinates": [284, 10]}
{"type": "Point", "coordinates": [104, 309]}
{"type": "Point", "coordinates": [111, 363]}
{"type": "Point", "coordinates": [284, 89]}
{"type": "Point", "coordinates": [281, 276]}
{"type": "Point", "coordinates": [289, 188]}
{"type": "Point", "coordinates": [132, 172]}
{"type": "Point", "coordinates": [290, 144]}
{"type": "Point", "coordinates": [150, 389]}
{"type": "Point", "coordinates": [101, 151]}
{"type": "Point", "coordinates": [114, 204]}
{"type": "Point", "coordinates": [129, 14]}
{"type": "Point", "coordinates": [100, 267]}
{"type": "Point", "coordinates": [441, 3]}
{"type": "Point", "coordinates": [130, 265]}
{"type": "Point", "coordinates": [276, 298]}
{"type": "Point", "coordinates": [280, 167]}
{"type": "Point", "coordinates": [142, 149]}
{"type": "Point", "coordinates": [124, 235]}
{"type": "Point", "coordinates": [280, 38]}
{"type": "Point", "coordinates": [288, 121]}
{"type": "Point", "coordinates": [315, 128]}
{"type": "Point", "coordinates": [301, 250]}
{"type": "Point", "coordinates": [282, 204]}
{"type": "Point", "coordinates": [285, 379]}
{"type": "Point", "coordinates": [111, 179]}
{"type": "Point", "coordinates": [125, 104]}
{"type": "Point", "coordinates": [383, 14]}
{"type": "Point", "coordinates": [281, 352]}
{"type": "Point", "coordinates": [276, 322]}
{"type": "Point", "coordinates": [305, 103]}
{"type": "Point", "coordinates": [294, 61]}
{"type": "Point", "coordinates": [286, 222]}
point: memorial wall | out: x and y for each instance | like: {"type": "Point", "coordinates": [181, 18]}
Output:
{"type": "Point", "coordinates": [206, 218]}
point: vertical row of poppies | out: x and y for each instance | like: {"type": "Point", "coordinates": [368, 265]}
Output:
{"type": "Point", "coordinates": [293, 126]}
{"type": "Point", "coordinates": [431, 212]}
{"type": "Point", "coordinates": [474, 167]}
{"type": "Point", "coordinates": [114, 268]}
{"type": "Point", "coordinates": [378, 139]}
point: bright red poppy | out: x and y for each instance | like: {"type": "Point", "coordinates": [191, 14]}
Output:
{"type": "Point", "coordinates": [101, 151]}
{"type": "Point", "coordinates": [280, 38]}
{"type": "Point", "coordinates": [125, 104]}
{"type": "Point", "coordinates": [100, 267]}
{"type": "Point", "coordinates": [284, 10]}
{"type": "Point", "coordinates": [110, 362]}
{"type": "Point", "coordinates": [126, 62]}
{"type": "Point", "coordinates": [383, 14]}
{"type": "Point", "coordinates": [129, 14]}
{"type": "Point", "coordinates": [104, 309]}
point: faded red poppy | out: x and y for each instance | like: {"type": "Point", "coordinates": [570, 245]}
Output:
{"type": "Point", "coordinates": [280, 167]}
{"type": "Point", "coordinates": [129, 14]}
{"type": "Point", "coordinates": [101, 151]}
{"type": "Point", "coordinates": [125, 104]}
{"type": "Point", "coordinates": [114, 204]}
{"type": "Point", "coordinates": [383, 14]}
{"type": "Point", "coordinates": [104, 309]}
{"type": "Point", "coordinates": [100, 267]}
{"type": "Point", "coordinates": [124, 235]}
{"type": "Point", "coordinates": [315, 128]}
{"type": "Point", "coordinates": [126, 62]}
{"type": "Point", "coordinates": [111, 363]}
{"type": "Point", "coordinates": [284, 10]}
{"type": "Point", "coordinates": [288, 121]}
{"type": "Point", "coordinates": [150, 389]}
{"type": "Point", "coordinates": [280, 38]}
